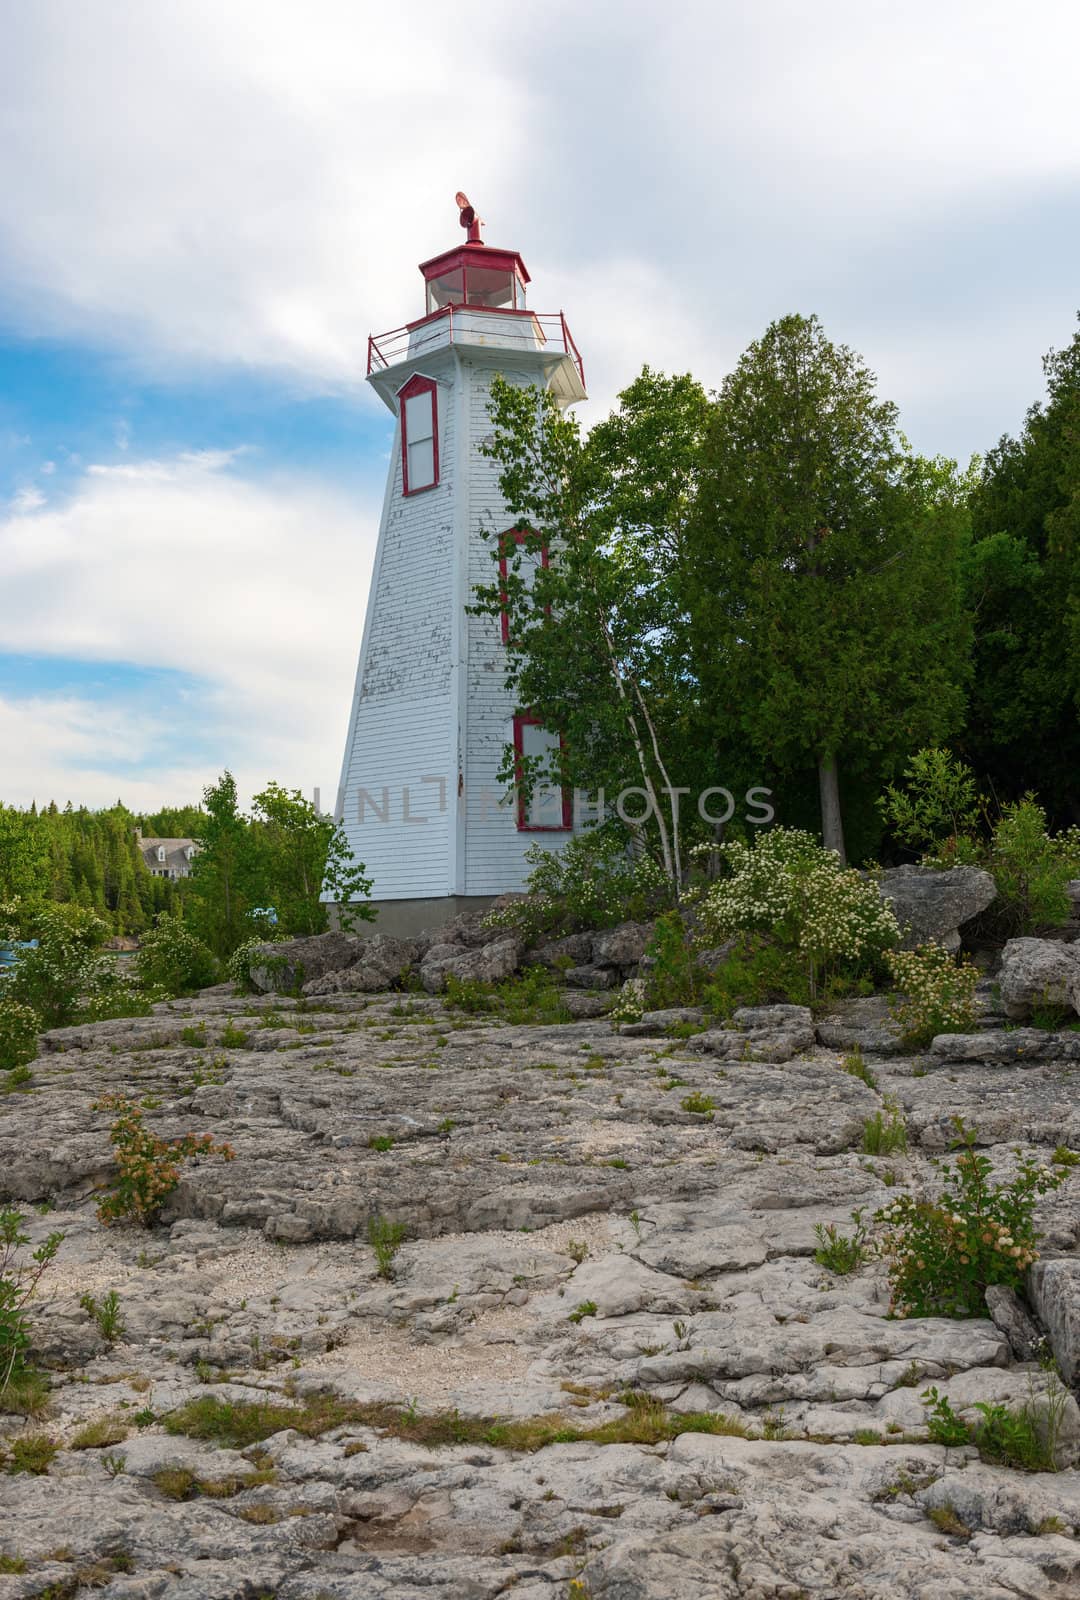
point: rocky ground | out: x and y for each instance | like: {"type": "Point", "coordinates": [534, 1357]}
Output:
{"type": "Point", "coordinates": [591, 1267]}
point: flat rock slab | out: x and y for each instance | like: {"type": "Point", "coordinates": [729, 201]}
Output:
{"type": "Point", "coordinates": [575, 1223]}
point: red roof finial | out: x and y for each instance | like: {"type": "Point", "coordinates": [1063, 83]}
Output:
{"type": "Point", "coordinates": [468, 218]}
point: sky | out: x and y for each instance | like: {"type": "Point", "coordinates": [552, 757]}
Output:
{"type": "Point", "coordinates": [206, 208]}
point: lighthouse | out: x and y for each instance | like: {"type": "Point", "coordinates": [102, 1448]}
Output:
{"type": "Point", "coordinates": [420, 799]}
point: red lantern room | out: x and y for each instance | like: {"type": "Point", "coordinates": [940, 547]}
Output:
{"type": "Point", "coordinates": [474, 275]}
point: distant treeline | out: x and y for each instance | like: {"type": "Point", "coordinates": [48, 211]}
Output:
{"type": "Point", "coordinates": [91, 859]}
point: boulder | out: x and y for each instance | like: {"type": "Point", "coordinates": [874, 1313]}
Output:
{"type": "Point", "coordinates": [1054, 1288]}
{"type": "Point", "coordinates": [934, 905]}
{"type": "Point", "coordinates": [382, 962]}
{"type": "Point", "coordinates": [281, 968]}
{"type": "Point", "coordinates": [575, 950]}
{"type": "Point", "coordinates": [862, 1024]}
{"type": "Point", "coordinates": [1039, 972]}
{"type": "Point", "coordinates": [623, 946]}
{"type": "Point", "coordinates": [487, 963]}
{"type": "Point", "coordinates": [591, 978]}
{"type": "Point", "coordinates": [1008, 1314]}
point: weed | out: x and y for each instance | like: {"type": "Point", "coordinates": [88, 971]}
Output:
{"type": "Point", "coordinates": [12, 1564]}
{"type": "Point", "coordinates": [856, 1067]}
{"type": "Point", "coordinates": [96, 1435]}
{"type": "Point", "coordinates": [1064, 1157]}
{"type": "Point", "coordinates": [32, 1453]}
{"type": "Point", "coordinates": [106, 1313]}
{"type": "Point", "coordinates": [882, 1135]}
{"type": "Point", "coordinates": [233, 1038]}
{"type": "Point", "coordinates": [702, 1105]}
{"type": "Point", "coordinates": [380, 1141]}
{"type": "Point", "coordinates": [946, 1520]}
{"type": "Point", "coordinates": [20, 1275]}
{"type": "Point", "coordinates": [943, 1424]}
{"type": "Point", "coordinates": [195, 1037]}
{"type": "Point", "coordinates": [838, 1252]}
{"type": "Point", "coordinates": [586, 1308]}
{"type": "Point", "coordinates": [386, 1239]}
{"type": "Point", "coordinates": [577, 1249]}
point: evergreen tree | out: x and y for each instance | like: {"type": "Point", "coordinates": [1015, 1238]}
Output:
{"type": "Point", "coordinates": [822, 571]}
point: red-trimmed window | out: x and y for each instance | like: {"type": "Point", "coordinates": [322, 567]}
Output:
{"type": "Point", "coordinates": [419, 435]}
{"type": "Point", "coordinates": [549, 808]}
{"type": "Point", "coordinates": [530, 563]}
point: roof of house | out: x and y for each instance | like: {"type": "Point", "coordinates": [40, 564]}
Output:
{"type": "Point", "coordinates": [176, 851]}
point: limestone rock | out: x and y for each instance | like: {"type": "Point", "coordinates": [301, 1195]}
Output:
{"type": "Point", "coordinates": [623, 946]}
{"type": "Point", "coordinates": [1039, 972]}
{"type": "Point", "coordinates": [485, 963]}
{"type": "Point", "coordinates": [575, 950]}
{"type": "Point", "coordinates": [381, 962]}
{"type": "Point", "coordinates": [1009, 1315]}
{"type": "Point", "coordinates": [934, 905]}
{"type": "Point", "coordinates": [281, 968]}
{"type": "Point", "coordinates": [1054, 1287]}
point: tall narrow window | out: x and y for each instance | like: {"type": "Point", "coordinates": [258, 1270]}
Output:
{"type": "Point", "coordinates": [549, 808]}
{"type": "Point", "coordinates": [419, 435]}
{"type": "Point", "coordinates": [530, 562]}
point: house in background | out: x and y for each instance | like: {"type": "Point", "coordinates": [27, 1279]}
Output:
{"type": "Point", "coordinates": [167, 858]}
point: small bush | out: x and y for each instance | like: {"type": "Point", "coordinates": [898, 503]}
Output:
{"type": "Point", "coordinates": [106, 1313]}
{"type": "Point", "coordinates": [944, 1254]}
{"type": "Point", "coordinates": [1031, 868]}
{"type": "Point", "coordinates": [20, 1275]}
{"type": "Point", "coordinates": [149, 1167]}
{"type": "Point", "coordinates": [171, 959]}
{"type": "Point", "coordinates": [939, 809]}
{"type": "Point", "coordinates": [701, 1105]}
{"type": "Point", "coordinates": [595, 882]}
{"type": "Point", "coordinates": [938, 993]}
{"type": "Point", "coordinates": [56, 978]}
{"type": "Point", "coordinates": [386, 1239]}
{"type": "Point", "coordinates": [239, 965]}
{"type": "Point", "coordinates": [943, 1424]}
{"type": "Point", "coordinates": [675, 978]}
{"type": "Point", "coordinates": [757, 972]}
{"type": "Point", "coordinates": [19, 1028]}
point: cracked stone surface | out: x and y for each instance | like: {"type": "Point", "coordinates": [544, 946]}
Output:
{"type": "Point", "coordinates": [592, 1219]}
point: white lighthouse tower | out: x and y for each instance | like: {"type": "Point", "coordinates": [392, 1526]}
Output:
{"type": "Point", "coordinates": [419, 797]}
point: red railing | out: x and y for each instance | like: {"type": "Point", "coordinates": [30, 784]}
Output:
{"type": "Point", "coordinates": [499, 328]}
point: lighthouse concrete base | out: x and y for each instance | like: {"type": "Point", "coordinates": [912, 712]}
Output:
{"type": "Point", "coordinates": [404, 919]}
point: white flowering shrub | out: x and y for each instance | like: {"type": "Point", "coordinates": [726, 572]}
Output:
{"type": "Point", "coordinates": [629, 1002]}
{"type": "Point", "coordinates": [65, 975]}
{"type": "Point", "coordinates": [595, 882]}
{"type": "Point", "coordinates": [786, 885]}
{"type": "Point", "coordinates": [937, 992]}
{"type": "Point", "coordinates": [171, 959]}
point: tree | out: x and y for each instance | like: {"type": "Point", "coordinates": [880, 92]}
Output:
{"type": "Point", "coordinates": [822, 569]}
{"type": "Point", "coordinates": [223, 886]}
{"type": "Point", "coordinates": [593, 637]}
{"type": "Point", "coordinates": [300, 854]}
{"type": "Point", "coordinates": [24, 856]}
{"type": "Point", "coordinates": [1023, 577]}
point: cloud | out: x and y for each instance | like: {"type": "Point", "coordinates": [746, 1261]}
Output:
{"type": "Point", "coordinates": [251, 184]}
{"type": "Point", "coordinates": [26, 499]}
{"type": "Point", "coordinates": [253, 589]}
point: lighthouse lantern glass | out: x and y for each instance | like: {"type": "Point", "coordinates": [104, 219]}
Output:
{"type": "Point", "coordinates": [499, 288]}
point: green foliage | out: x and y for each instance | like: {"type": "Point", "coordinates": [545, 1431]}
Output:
{"type": "Point", "coordinates": [531, 998]}
{"type": "Point", "coordinates": [221, 887]}
{"type": "Point", "coordinates": [939, 807]}
{"type": "Point", "coordinates": [594, 635]}
{"type": "Point", "coordinates": [385, 1239]}
{"type": "Point", "coordinates": [1023, 585]}
{"type": "Point", "coordinates": [19, 1028]}
{"type": "Point", "coordinates": [32, 1453]}
{"type": "Point", "coordinates": [148, 1167]}
{"type": "Point", "coordinates": [587, 1308]}
{"type": "Point", "coordinates": [786, 886]}
{"type": "Point", "coordinates": [885, 1132]}
{"type": "Point", "coordinates": [942, 1422]}
{"type": "Point", "coordinates": [595, 882]}
{"type": "Point", "coordinates": [855, 1066]}
{"type": "Point", "coordinates": [106, 1313]}
{"type": "Point", "coordinates": [838, 1252]}
{"type": "Point", "coordinates": [938, 992]}
{"type": "Point", "coordinates": [1031, 868]}
{"type": "Point", "coordinates": [822, 567]}
{"type": "Point", "coordinates": [675, 977]}
{"type": "Point", "coordinates": [83, 858]}
{"type": "Point", "coordinates": [702, 1105]}
{"type": "Point", "coordinates": [172, 960]}
{"type": "Point", "coordinates": [65, 977]}
{"type": "Point", "coordinates": [20, 1275]}
{"type": "Point", "coordinates": [944, 1253]}
{"type": "Point", "coordinates": [756, 972]}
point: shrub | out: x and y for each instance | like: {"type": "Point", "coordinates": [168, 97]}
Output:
{"type": "Point", "coordinates": [19, 1277]}
{"type": "Point", "coordinates": [938, 811]}
{"type": "Point", "coordinates": [944, 1425]}
{"type": "Point", "coordinates": [56, 978]}
{"type": "Point", "coordinates": [386, 1239]}
{"type": "Point", "coordinates": [239, 965]}
{"type": "Point", "coordinates": [173, 960]}
{"type": "Point", "coordinates": [943, 1254]}
{"type": "Point", "coordinates": [149, 1167]}
{"type": "Point", "coordinates": [884, 1134]}
{"type": "Point", "coordinates": [674, 977]}
{"type": "Point", "coordinates": [595, 882]}
{"type": "Point", "coordinates": [938, 992]}
{"type": "Point", "coordinates": [1031, 868]}
{"type": "Point", "coordinates": [756, 973]}
{"type": "Point", "coordinates": [788, 886]}
{"type": "Point", "coordinates": [19, 1028]}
